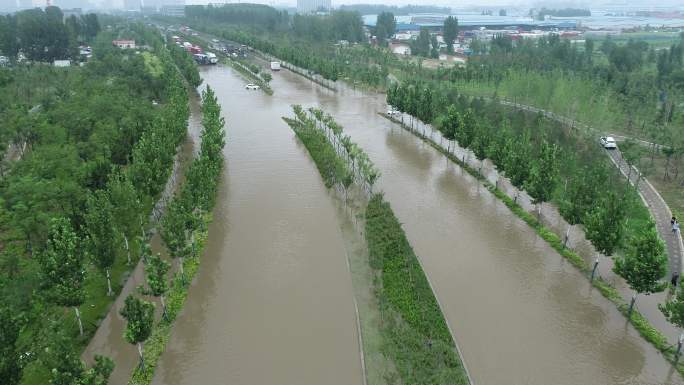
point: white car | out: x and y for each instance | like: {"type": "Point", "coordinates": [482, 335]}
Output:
{"type": "Point", "coordinates": [251, 86]}
{"type": "Point", "coordinates": [608, 142]}
{"type": "Point", "coordinates": [391, 111]}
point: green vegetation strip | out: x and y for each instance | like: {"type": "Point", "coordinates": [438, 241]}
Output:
{"type": "Point", "coordinates": [331, 167]}
{"type": "Point", "coordinates": [184, 231]}
{"type": "Point", "coordinates": [156, 344]}
{"type": "Point", "coordinates": [414, 333]}
{"type": "Point", "coordinates": [640, 323]}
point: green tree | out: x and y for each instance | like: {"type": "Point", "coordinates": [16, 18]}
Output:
{"type": "Point", "coordinates": [644, 264]}
{"type": "Point", "coordinates": [10, 369]}
{"type": "Point", "coordinates": [385, 26]}
{"type": "Point", "coordinates": [544, 173]}
{"type": "Point", "coordinates": [450, 32]}
{"type": "Point", "coordinates": [604, 225]}
{"type": "Point", "coordinates": [139, 315]}
{"type": "Point", "coordinates": [66, 368]}
{"type": "Point", "coordinates": [673, 310]}
{"type": "Point", "coordinates": [62, 268]}
{"type": "Point", "coordinates": [9, 42]}
{"type": "Point", "coordinates": [421, 45]}
{"type": "Point", "coordinates": [155, 272]}
{"type": "Point", "coordinates": [126, 207]}
{"type": "Point", "coordinates": [99, 220]}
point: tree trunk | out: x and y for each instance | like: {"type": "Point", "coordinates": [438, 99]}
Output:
{"type": "Point", "coordinates": [109, 284]}
{"type": "Point", "coordinates": [128, 249]}
{"type": "Point", "coordinates": [78, 318]}
{"type": "Point", "coordinates": [631, 306]}
{"type": "Point", "coordinates": [163, 303]}
{"type": "Point", "coordinates": [142, 358]}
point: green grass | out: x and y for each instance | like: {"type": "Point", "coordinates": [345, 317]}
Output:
{"type": "Point", "coordinates": [416, 336]}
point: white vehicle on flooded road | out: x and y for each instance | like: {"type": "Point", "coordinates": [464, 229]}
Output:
{"type": "Point", "coordinates": [251, 86]}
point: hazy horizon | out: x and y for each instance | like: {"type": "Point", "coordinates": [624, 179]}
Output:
{"type": "Point", "coordinates": [445, 3]}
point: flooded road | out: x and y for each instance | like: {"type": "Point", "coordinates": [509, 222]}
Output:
{"type": "Point", "coordinates": [273, 302]}
{"type": "Point", "coordinates": [521, 314]}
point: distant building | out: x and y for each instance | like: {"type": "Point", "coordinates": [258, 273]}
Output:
{"type": "Point", "coordinates": [72, 12]}
{"type": "Point", "coordinates": [313, 6]}
{"type": "Point", "coordinates": [64, 4]}
{"type": "Point", "coordinates": [132, 5]}
{"type": "Point", "coordinates": [62, 63]}
{"type": "Point", "coordinates": [173, 10]}
{"type": "Point", "coordinates": [124, 44]}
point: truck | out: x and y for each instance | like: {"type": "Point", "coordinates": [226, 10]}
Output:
{"type": "Point", "coordinates": [275, 66]}
{"type": "Point", "coordinates": [212, 58]}
{"type": "Point", "coordinates": [201, 58]}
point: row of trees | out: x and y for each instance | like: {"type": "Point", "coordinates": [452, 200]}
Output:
{"type": "Point", "coordinates": [74, 204]}
{"type": "Point", "coordinates": [44, 35]}
{"type": "Point", "coordinates": [362, 170]}
{"type": "Point", "coordinates": [338, 25]}
{"type": "Point", "coordinates": [184, 218]}
{"type": "Point", "coordinates": [533, 163]}
{"type": "Point", "coordinates": [640, 81]}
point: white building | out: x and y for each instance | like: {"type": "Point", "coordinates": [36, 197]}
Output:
{"type": "Point", "coordinates": [124, 44]}
{"type": "Point", "coordinates": [173, 10]}
{"type": "Point", "coordinates": [313, 6]}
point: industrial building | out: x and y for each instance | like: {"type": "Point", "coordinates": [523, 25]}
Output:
{"type": "Point", "coordinates": [313, 6]}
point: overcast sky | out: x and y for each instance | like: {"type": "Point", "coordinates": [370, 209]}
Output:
{"type": "Point", "coordinates": [449, 3]}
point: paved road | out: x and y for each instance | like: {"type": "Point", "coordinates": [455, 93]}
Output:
{"type": "Point", "coordinates": [573, 123]}
{"type": "Point", "coordinates": [659, 210]}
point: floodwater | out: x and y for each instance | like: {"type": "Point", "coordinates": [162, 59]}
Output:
{"type": "Point", "coordinates": [272, 303]}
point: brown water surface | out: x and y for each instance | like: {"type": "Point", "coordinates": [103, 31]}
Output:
{"type": "Point", "coordinates": [272, 303]}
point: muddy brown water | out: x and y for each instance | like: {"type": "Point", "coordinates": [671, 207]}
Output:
{"type": "Point", "coordinates": [272, 302]}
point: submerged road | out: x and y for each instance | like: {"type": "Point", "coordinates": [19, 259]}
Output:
{"type": "Point", "coordinates": [273, 302]}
